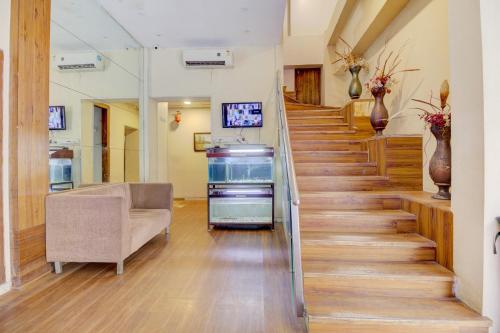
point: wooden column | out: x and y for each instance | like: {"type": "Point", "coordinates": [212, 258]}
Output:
{"type": "Point", "coordinates": [28, 158]}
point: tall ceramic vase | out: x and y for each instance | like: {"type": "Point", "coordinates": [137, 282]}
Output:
{"type": "Point", "coordinates": [440, 165]}
{"type": "Point", "coordinates": [379, 116]}
{"type": "Point", "coordinates": [355, 88]}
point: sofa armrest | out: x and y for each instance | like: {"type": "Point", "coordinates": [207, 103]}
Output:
{"type": "Point", "coordinates": [87, 228]}
{"type": "Point", "coordinates": [152, 195]}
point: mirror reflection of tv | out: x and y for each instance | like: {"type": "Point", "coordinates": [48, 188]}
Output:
{"type": "Point", "coordinates": [57, 118]}
{"type": "Point", "coordinates": [237, 115]}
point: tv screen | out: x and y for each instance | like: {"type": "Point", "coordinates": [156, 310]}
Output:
{"type": "Point", "coordinates": [242, 115]}
{"type": "Point", "coordinates": [57, 118]}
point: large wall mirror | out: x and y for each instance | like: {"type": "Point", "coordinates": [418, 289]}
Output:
{"type": "Point", "coordinates": [95, 84]}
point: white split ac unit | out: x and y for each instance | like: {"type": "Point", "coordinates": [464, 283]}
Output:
{"type": "Point", "coordinates": [207, 58]}
{"type": "Point", "coordinates": [89, 61]}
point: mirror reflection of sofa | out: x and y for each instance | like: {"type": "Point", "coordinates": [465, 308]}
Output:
{"type": "Point", "coordinates": [105, 223]}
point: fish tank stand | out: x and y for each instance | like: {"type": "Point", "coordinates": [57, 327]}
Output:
{"type": "Point", "coordinates": [241, 189]}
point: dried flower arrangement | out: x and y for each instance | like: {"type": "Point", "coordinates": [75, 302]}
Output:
{"type": "Point", "coordinates": [349, 59]}
{"type": "Point", "coordinates": [383, 78]}
{"type": "Point", "coordinates": [438, 116]}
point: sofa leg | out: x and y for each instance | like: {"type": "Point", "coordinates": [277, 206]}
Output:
{"type": "Point", "coordinates": [58, 267]}
{"type": "Point", "coordinates": [167, 234]}
{"type": "Point", "coordinates": [119, 268]}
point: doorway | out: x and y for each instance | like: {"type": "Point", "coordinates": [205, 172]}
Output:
{"type": "Point", "coordinates": [131, 155]}
{"type": "Point", "coordinates": [101, 142]}
{"type": "Point", "coordinates": [308, 85]}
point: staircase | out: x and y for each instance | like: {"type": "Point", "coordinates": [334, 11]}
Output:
{"type": "Point", "coordinates": [365, 267]}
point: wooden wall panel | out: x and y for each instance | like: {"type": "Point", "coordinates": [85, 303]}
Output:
{"type": "Point", "coordinates": [308, 85]}
{"type": "Point", "coordinates": [434, 221]}
{"type": "Point", "coordinates": [28, 160]}
{"type": "Point", "coordinates": [2, 264]}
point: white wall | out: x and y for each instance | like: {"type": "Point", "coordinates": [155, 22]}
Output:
{"type": "Point", "coordinates": [187, 169]}
{"type": "Point", "coordinates": [253, 78]}
{"type": "Point", "coordinates": [5, 46]}
{"type": "Point", "coordinates": [310, 17]}
{"type": "Point", "coordinates": [490, 26]}
{"type": "Point", "coordinates": [467, 146]}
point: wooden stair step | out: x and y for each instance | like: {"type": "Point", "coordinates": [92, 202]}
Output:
{"type": "Point", "coordinates": [326, 145]}
{"type": "Point", "coordinates": [330, 156]}
{"type": "Point", "coordinates": [358, 221]}
{"type": "Point", "coordinates": [362, 314]}
{"type": "Point", "coordinates": [323, 246]}
{"type": "Point", "coordinates": [341, 183]}
{"type": "Point", "coordinates": [332, 135]}
{"type": "Point", "coordinates": [360, 200]}
{"type": "Point", "coordinates": [336, 169]}
{"type": "Point", "coordinates": [322, 128]}
{"type": "Point", "coordinates": [315, 120]}
{"type": "Point", "coordinates": [419, 280]}
{"type": "Point", "coordinates": [312, 113]}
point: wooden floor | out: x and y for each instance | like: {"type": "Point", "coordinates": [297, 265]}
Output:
{"type": "Point", "coordinates": [218, 281]}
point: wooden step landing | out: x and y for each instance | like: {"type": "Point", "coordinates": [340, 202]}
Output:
{"type": "Point", "coordinates": [361, 221]}
{"type": "Point", "coordinates": [323, 246]}
{"type": "Point", "coordinates": [362, 314]}
{"type": "Point", "coordinates": [427, 280]}
{"type": "Point", "coordinates": [336, 169]}
{"type": "Point", "coordinates": [360, 200]}
{"type": "Point", "coordinates": [341, 183]}
{"type": "Point", "coordinates": [330, 156]}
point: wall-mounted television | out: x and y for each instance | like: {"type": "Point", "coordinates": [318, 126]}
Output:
{"type": "Point", "coordinates": [236, 115]}
{"type": "Point", "coordinates": [57, 118]}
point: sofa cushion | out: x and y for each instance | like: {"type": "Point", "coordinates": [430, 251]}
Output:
{"type": "Point", "coordinates": [145, 224]}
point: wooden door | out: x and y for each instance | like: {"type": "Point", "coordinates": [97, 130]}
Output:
{"type": "Point", "coordinates": [308, 85]}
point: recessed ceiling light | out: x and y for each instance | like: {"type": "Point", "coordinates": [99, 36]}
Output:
{"type": "Point", "coordinates": [187, 102]}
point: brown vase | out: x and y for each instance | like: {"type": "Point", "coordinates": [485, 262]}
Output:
{"type": "Point", "coordinates": [379, 116]}
{"type": "Point", "coordinates": [440, 165]}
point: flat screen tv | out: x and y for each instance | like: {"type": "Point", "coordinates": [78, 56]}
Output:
{"type": "Point", "coordinates": [237, 115]}
{"type": "Point", "coordinates": [57, 118]}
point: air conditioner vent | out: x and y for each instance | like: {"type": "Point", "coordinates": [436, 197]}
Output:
{"type": "Point", "coordinates": [89, 61]}
{"type": "Point", "coordinates": [207, 58]}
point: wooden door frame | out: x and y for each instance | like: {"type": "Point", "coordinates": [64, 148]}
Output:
{"type": "Point", "coordinates": [105, 127]}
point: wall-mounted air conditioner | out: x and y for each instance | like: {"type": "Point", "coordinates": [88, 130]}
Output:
{"type": "Point", "coordinates": [207, 58]}
{"type": "Point", "coordinates": [89, 61]}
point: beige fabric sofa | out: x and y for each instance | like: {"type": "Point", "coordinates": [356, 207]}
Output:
{"type": "Point", "coordinates": [105, 223]}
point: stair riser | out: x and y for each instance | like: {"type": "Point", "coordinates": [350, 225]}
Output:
{"type": "Point", "coordinates": [291, 114]}
{"type": "Point", "coordinates": [320, 185]}
{"type": "Point", "coordinates": [331, 285]}
{"type": "Point", "coordinates": [354, 203]}
{"type": "Point", "coordinates": [344, 326]}
{"type": "Point", "coordinates": [357, 224]}
{"type": "Point", "coordinates": [319, 170]}
{"type": "Point", "coordinates": [315, 121]}
{"type": "Point", "coordinates": [326, 146]}
{"type": "Point", "coordinates": [324, 252]}
{"type": "Point", "coordinates": [316, 135]}
{"type": "Point", "coordinates": [303, 157]}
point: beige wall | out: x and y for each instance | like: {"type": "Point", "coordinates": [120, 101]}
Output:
{"type": "Point", "coordinates": [423, 27]}
{"type": "Point", "coordinates": [187, 169]}
{"type": "Point", "coordinates": [132, 157]}
{"type": "Point", "coordinates": [122, 115]}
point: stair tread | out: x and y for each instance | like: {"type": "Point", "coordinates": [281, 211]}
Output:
{"type": "Point", "coordinates": [334, 194]}
{"type": "Point", "coordinates": [295, 117]}
{"type": "Point", "coordinates": [394, 309]}
{"type": "Point", "coordinates": [337, 164]}
{"type": "Point", "coordinates": [331, 152]}
{"type": "Point", "coordinates": [386, 212]}
{"type": "Point", "coordinates": [421, 270]}
{"type": "Point", "coordinates": [410, 240]}
{"type": "Point", "coordinates": [345, 178]}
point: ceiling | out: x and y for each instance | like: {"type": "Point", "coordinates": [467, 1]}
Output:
{"type": "Point", "coordinates": [200, 23]}
{"type": "Point", "coordinates": [84, 25]}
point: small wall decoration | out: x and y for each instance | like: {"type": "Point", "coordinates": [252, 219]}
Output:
{"type": "Point", "coordinates": [202, 141]}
